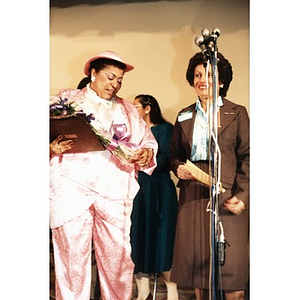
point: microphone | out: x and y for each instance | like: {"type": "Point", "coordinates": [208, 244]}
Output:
{"type": "Point", "coordinates": [205, 44]}
{"type": "Point", "coordinates": [216, 32]}
{"type": "Point", "coordinates": [199, 41]}
{"type": "Point", "coordinates": [205, 32]}
{"type": "Point", "coordinates": [206, 41]}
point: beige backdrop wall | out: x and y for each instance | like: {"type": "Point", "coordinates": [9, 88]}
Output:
{"type": "Point", "coordinates": [157, 38]}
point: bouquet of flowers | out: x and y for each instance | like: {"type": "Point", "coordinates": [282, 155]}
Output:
{"type": "Point", "coordinates": [60, 108]}
{"type": "Point", "coordinates": [116, 141]}
{"type": "Point", "coordinates": [118, 144]}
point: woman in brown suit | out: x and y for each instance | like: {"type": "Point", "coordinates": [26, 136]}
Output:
{"type": "Point", "coordinates": [191, 261]}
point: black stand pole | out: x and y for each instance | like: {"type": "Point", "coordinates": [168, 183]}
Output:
{"type": "Point", "coordinates": [208, 44]}
{"type": "Point", "coordinates": [214, 166]}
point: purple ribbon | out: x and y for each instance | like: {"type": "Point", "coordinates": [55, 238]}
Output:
{"type": "Point", "coordinates": [120, 132]}
{"type": "Point", "coordinates": [120, 136]}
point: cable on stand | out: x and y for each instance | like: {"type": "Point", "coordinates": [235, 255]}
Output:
{"type": "Point", "coordinates": [208, 44]}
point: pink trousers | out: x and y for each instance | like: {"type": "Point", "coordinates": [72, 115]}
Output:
{"type": "Point", "coordinates": [107, 223]}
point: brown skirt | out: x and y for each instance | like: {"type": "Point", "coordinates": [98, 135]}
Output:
{"type": "Point", "coordinates": [191, 259]}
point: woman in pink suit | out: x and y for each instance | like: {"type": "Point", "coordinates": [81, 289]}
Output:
{"type": "Point", "coordinates": [91, 194]}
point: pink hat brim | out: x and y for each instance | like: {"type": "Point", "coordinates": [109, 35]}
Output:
{"type": "Point", "coordinates": [107, 54]}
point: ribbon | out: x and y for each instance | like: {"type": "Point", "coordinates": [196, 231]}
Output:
{"type": "Point", "coordinates": [120, 136]}
{"type": "Point", "coordinates": [120, 132]}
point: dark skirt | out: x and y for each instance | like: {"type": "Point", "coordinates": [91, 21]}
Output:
{"type": "Point", "coordinates": [191, 259]}
{"type": "Point", "coordinates": [153, 223]}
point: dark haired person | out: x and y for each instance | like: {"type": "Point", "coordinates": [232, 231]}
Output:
{"type": "Point", "coordinates": [191, 260]}
{"type": "Point", "coordinates": [83, 82]}
{"type": "Point", "coordinates": [91, 194]}
{"type": "Point", "coordinates": [154, 208]}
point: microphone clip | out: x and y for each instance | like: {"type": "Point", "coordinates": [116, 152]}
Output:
{"type": "Point", "coordinates": [221, 246]}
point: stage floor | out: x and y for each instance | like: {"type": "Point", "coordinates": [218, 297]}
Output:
{"type": "Point", "coordinates": [161, 293]}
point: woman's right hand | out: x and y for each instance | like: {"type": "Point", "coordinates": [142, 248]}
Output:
{"type": "Point", "coordinates": [57, 147]}
{"type": "Point", "coordinates": [183, 173]}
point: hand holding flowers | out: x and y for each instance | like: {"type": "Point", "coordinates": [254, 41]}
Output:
{"type": "Point", "coordinates": [116, 140]}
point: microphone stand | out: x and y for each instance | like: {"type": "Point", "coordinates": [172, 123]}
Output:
{"type": "Point", "coordinates": [215, 159]}
{"type": "Point", "coordinates": [208, 45]}
{"type": "Point", "coordinates": [214, 193]}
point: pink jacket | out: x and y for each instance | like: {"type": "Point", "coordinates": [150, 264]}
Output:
{"type": "Point", "coordinates": [76, 179]}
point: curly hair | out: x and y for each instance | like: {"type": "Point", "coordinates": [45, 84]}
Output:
{"type": "Point", "coordinates": [224, 70]}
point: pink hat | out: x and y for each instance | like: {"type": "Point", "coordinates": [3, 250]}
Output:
{"type": "Point", "coordinates": [106, 54]}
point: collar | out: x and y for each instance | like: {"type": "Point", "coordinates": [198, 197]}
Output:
{"type": "Point", "coordinates": [95, 98]}
{"type": "Point", "coordinates": [199, 107]}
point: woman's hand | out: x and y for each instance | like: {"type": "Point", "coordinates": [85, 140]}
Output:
{"type": "Point", "coordinates": [142, 157]}
{"type": "Point", "coordinates": [234, 205]}
{"type": "Point", "coordinates": [57, 147]}
{"type": "Point", "coordinates": [183, 173]}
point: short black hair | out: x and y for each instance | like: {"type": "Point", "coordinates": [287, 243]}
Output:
{"type": "Point", "coordinates": [224, 70]}
{"type": "Point", "coordinates": [101, 63]}
{"type": "Point", "coordinates": [84, 81]}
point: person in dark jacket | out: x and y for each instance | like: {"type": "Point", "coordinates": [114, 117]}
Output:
{"type": "Point", "coordinates": [190, 141]}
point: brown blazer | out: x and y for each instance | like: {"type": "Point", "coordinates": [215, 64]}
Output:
{"type": "Point", "coordinates": [233, 139]}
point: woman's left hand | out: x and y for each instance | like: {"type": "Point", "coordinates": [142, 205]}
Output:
{"type": "Point", "coordinates": [234, 205]}
{"type": "Point", "coordinates": [142, 157]}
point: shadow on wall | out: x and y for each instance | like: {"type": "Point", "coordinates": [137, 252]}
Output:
{"type": "Point", "coordinates": [68, 3]}
{"type": "Point", "coordinates": [149, 33]}
{"type": "Point", "coordinates": [111, 17]}
{"type": "Point", "coordinates": [184, 50]}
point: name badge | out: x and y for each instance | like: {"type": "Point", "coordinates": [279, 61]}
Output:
{"type": "Point", "coordinates": [185, 116]}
